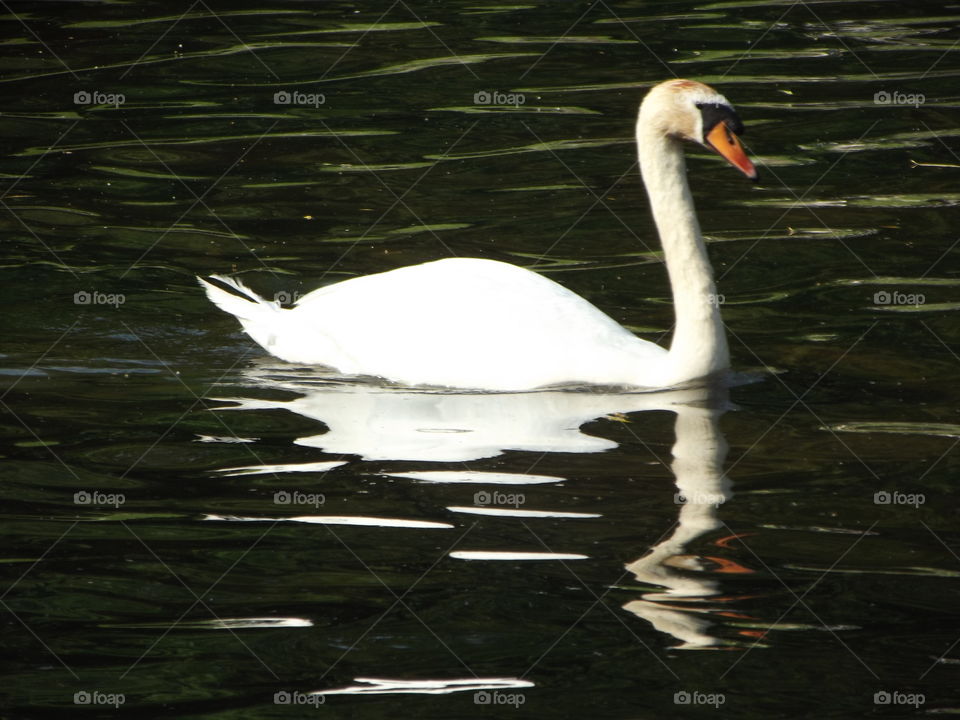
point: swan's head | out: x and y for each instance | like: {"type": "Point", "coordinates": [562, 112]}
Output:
{"type": "Point", "coordinates": [689, 110]}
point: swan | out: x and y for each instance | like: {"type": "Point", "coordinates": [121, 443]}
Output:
{"type": "Point", "coordinates": [481, 324]}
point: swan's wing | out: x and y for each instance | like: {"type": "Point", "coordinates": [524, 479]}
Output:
{"type": "Point", "coordinates": [461, 322]}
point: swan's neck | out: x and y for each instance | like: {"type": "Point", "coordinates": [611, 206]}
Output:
{"type": "Point", "coordinates": [699, 345]}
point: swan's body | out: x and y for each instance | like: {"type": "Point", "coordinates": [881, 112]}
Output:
{"type": "Point", "coordinates": [482, 324]}
{"type": "Point", "coordinates": [476, 324]}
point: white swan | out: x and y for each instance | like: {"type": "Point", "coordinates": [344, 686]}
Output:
{"type": "Point", "coordinates": [488, 325]}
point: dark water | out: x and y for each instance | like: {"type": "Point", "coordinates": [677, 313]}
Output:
{"type": "Point", "coordinates": [181, 585]}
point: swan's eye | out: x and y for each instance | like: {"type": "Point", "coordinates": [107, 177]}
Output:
{"type": "Point", "coordinates": [714, 114]}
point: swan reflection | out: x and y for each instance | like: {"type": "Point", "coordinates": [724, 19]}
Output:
{"type": "Point", "coordinates": [382, 423]}
{"type": "Point", "coordinates": [377, 422]}
{"type": "Point", "coordinates": [680, 608]}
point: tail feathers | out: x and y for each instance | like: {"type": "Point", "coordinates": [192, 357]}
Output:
{"type": "Point", "coordinates": [239, 300]}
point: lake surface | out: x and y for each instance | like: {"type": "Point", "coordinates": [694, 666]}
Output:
{"type": "Point", "coordinates": [193, 530]}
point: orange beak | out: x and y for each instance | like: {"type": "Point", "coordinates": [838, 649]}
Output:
{"type": "Point", "coordinates": [727, 144]}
